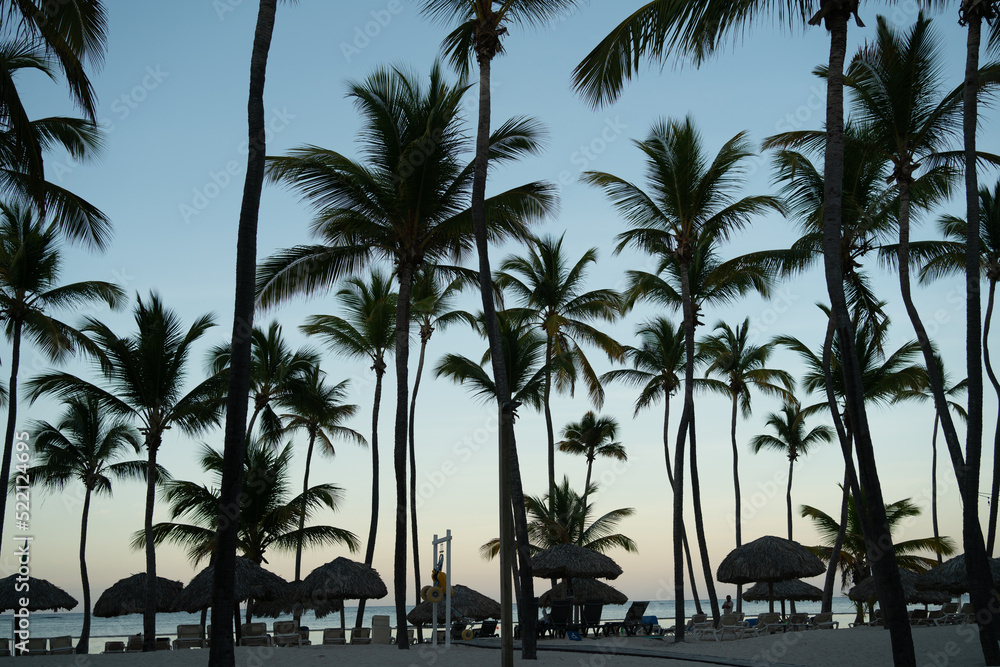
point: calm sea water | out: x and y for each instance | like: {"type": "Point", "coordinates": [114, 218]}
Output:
{"type": "Point", "coordinates": [47, 624]}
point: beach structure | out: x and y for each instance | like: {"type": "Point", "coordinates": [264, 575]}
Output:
{"type": "Point", "coordinates": [769, 559]}
{"type": "Point", "coordinates": [340, 579]}
{"type": "Point", "coordinates": [950, 576]}
{"type": "Point", "coordinates": [128, 596]}
{"type": "Point", "coordinates": [583, 590]}
{"type": "Point", "coordinates": [43, 595]}
{"type": "Point", "coordinates": [570, 560]}
{"type": "Point", "coordinates": [794, 590]}
{"type": "Point", "coordinates": [466, 604]}
{"type": "Point", "coordinates": [865, 591]}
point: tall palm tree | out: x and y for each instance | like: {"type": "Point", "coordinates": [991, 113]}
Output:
{"type": "Point", "coordinates": [145, 375]}
{"type": "Point", "coordinates": [688, 212]}
{"type": "Point", "coordinates": [30, 263]}
{"type": "Point", "coordinates": [740, 365]}
{"type": "Point", "coordinates": [552, 292]}
{"type": "Point", "coordinates": [84, 446]}
{"type": "Point", "coordinates": [367, 331]}
{"type": "Point", "coordinates": [661, 29]}
{"type": "Point", "coordinates": [222, 650]}
{"type": "Point", "coordinates": [791, 438]}
{"type": "Point", "coordinates": [479, 35]}
{"type": "Point", "coordinates": [276, 372]}
{"type": "Point", "coordinates": [656, 367]}
{"type": "Point", "coordinates": [406, 203]}
{"type": "Point", "coordinates": [591, 437]}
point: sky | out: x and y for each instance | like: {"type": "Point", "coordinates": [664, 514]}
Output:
{"type": "Point", "coordinates": [172, 101]}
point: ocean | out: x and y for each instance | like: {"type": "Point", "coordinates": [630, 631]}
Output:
{"type": "Point", "coordinates": [48, 624]}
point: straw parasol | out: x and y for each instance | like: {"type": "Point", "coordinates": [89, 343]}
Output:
{"type": "Point", "coordinates": [251, 581]}
{"type": "Point", "coordinates": [128, 596]}
{"type": "Point", "coordinates": [340, 579]}
{"type": "Point", "coordinates": [570, 560]}
{"type": "Point", "coordinates": [769, 559]}
{"type": "Point", "coordinates": [288, 605]}
{"type": "Point", "coordinates": [791, 589]}
{"type": "Point", "coordinates": [951, 576]}
{"type": "Point", "coordinates": [40, 593]}
{"type": "Point", "coordinates": [866, 590]}
{"type": "Point", "coordinates": [583, 590]}
{"type": "Point", "coordinates": [465, 603]}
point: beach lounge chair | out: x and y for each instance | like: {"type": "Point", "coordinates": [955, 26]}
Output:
{"type": "Point", "coordinates": [965, 615]}
{"type": "Point", "coordinates": [134, 644]}
{"type": "Point", "coordinates": [190, 636]}
{"type": "Point", "coordinates": [36, 646]}
{"type": "Point", "coordinates": [487, 629]}
{"type": "Point", "coordinates": [333, 636]}
{"type": "Point", "coordinates": [162, 643]}
{"type": "Point", "coordinates": [703, 627]}
{"type": "Point", "coordinates": [943, 615]}
{"type": "Point", "coordinates": [767, 624]}
{"type": "Point", "coordinates": [255, 634]}
{"type": "Point", "coordinates": [591, 617]}
{"type": "Point", "coordinates": [651, 625]}
{"type": "Point", "coordinates": [4, 647]}
{"type": "Point", "coordinates": [823, 621]}
{"type": "Point", "coordinates": [728, 624]}
{"type": "Point", "coordinates": [633, 617]}
{"type": "Point", "coordinates": [918, 616]}
{"type": "Point", "coordinates": [303, 631]}
{"type": "Point", "coordinates": [381, 632]}
{"type": "Point", "coordinates": [410, 635]}
{"type": "Point", "coordinates": [61, 645]}
{"type": "Point", "coordinates": [561, 610]}
{"type": "Point", "coordinates": [361, 636]}
{"type": "Point", "coordinates": [114, 647]}
{"type": "Point", "coordinates": [798, 622]}
{"type": "Point", "coordinates": [284, 633]}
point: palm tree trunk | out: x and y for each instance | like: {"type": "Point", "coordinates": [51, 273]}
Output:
{"type": "Point", "coordinates": [738, 518]}
{"type": "Point", "coordinates": [886, 571]}
{"type": "Point", "coordinates": [583, 501]}
{"type": "Point", "coordinates": [995, 489]}
{"type": "Point", "coordinates": [788, 495]}
{"type": "Point", "coordinates": [699, 525]}
{"type": "Point", "coordinates": [528, 638]}
{"type": "Point", "coordinates": [83, 646]}
{"type": "Point", "coordinates": [549, 431]}
{"type": "Point", "coordinates": [302, 518]}
{"type": "Point", "coordinates": [379, 367]}
{"type": "Point", "coordinates": [976, 563]}
{"type": "Point", "coordinates": [221, 649]}
{"type": "Point", "coordinates": [670, 479]}
{"type": "Point", "coordinates": [934, 498]}
{"type": "Point", "coordinates": [686, 414]}
{"type": "Point", "coordinates": [149, 616]}
{"type": "Point", "coordinates": [399, 445]}
{"type": "Point", "coordinates": [838, 544]}
{"type": "Point", "coordinates": [425, 335]}
{"type": "Point", "coordinates": [8, 441]}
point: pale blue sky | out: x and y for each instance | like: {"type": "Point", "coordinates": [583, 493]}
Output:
{"type": "Point", "coordinates": [172, 97]}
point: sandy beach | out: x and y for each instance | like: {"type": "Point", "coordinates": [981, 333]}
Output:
{"type": "Point", "coordinates": [952, 646]}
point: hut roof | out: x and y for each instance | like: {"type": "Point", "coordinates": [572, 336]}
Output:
{"type": "Point", "coordinates": [340, 579]}
{"type": "Point", "coordinates": [40, 593]}
{"type": "Point", "coordinates": [583, 590]}
{"type": "Point", "coordinates": [866, 590]}
{"type": "Point", "coordinates": [251, 581]}
{"type": "Point", "coordinates": [570, 560]}
{"type": "Point", "coordinates": [465, 603]}
{"type": "Point", "coordinates": [791, 589]}
{"type": "Point", "coordinates": [769, 558]}
{"type": "Point", "coordinates": [128, 596]}
{"type": "Point", "coordinates": [951, 576]}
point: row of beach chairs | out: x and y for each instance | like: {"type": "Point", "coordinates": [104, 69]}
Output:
{"type": "Point", "coordinates": [948, 614]}
{"type": "Point", "coordinates": [765, 624]}
{"type": "Point", "coordinates": [42, 646]}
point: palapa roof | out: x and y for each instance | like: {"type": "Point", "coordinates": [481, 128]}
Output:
{"type": "Point", "coordinates": [128, 596]}
{"type": "Point", "coordinates": [276, 608]}
{"type": "Point", "coordinates": [769, 558]}
{"type": "Point", "coordinates": [912, 594]}
{"type": "Point", "coordinates": [570, 560]}
{"type": "Point", "coordinates": [951, 576]}
{"type": "Point", "coordinates": [251, 581]}
{"type": "Point", "coordinates": [465, 603]}
{"type": "Point", "coordinates": [340, 579]}
{"type": "Point", "coordinates": [41, 595]}
{"type": "Point", "coordinates": [791, 589]}
{"type": "Point", "coordinates": [583, 590]}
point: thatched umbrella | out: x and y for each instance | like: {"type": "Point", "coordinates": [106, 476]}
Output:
{"type": "Point", "coordinates": [340, 579]}
{"type": "Point", "coordinates": [583, 590]}
{"type": "Point", "coordinates": [40, 593]}
{"type": "Point", "coordinates": [951, 576]}
{"type": "Point", "coordinates": [769, 559]}
{"type": "Point", "coordinates": [791, 589]}
{"type": "Point", "coordinates": [570, 560]}
{"type": "Point", "coordinates": [866, 590]}
{"type": "Point", "coordinates": [128, 596]}
{"type": "Point", "coordinates": [465, 603]}
{"type": "Point", "coordinates": [288, 605]}
{"type": "Point", "coordinates": [251, 581]}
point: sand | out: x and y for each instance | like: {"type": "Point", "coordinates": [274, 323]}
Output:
{"type": "Point", "coordinates": [948, 646]}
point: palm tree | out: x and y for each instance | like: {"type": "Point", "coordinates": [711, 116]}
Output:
{"type": "Point", "coordinates": [663, 28]}
{"type": "Point", "coordinates": [656, 366]}
{"type": "Point", "coordinates": [85, 446]}
{"type": "Point", "coordinates": [365, 332]}
{"type": "Point", "coordinates": [591, 437]}
{"type": "Point", "coordinates": [145, 375]}
{"type": "Point", "coordinates": [552, 292]}
{"type": "Point", "coordinates": [791, 438]}
{"type": "Point", "coordinates": [479, 35]}
{"type": "Point", "coordinates": [407, 203]}
{"type": "Point", "coordinates": [275, 374]}
{"type": "Point", "coordinates": [30, 263]}
{"type": "Point", "coordinates": [740, 365]}
{"type": "Point", "coordinates": [947, 258]}
{"type": "Point", "coordinates": [691, 210]}
{"type": "Point", "coordinates": [268, 519]}
{"type": "Point", "coordinates": [222, 651]}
